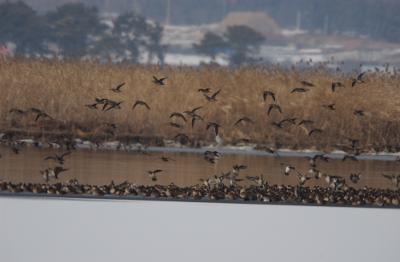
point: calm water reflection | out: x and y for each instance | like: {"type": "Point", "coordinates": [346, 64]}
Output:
{"type": "Point", "coordinates": [100, 167]}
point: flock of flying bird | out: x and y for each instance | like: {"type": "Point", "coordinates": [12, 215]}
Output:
{"type": "Point", "coordinates": [105, 104]}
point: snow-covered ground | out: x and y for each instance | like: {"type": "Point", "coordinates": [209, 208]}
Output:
{"type": "Point", "coordinates": [34, 229]}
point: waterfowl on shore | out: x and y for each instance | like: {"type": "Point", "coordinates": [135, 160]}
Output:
{"type": "Point", "coordinates": [213, 97]}
{"type": "Point", "coordinates": [140, 103]}
{"type": "Point", "coordinates": [58, 158]}
{"type": "Point", "coordinates": [267, 93]}
{"type": "Point", "coordinates": [159, 81]}
{"type": "Point", "coordinates": [117, 89]}
{"type": "Point", "coordinates": [274, 106]}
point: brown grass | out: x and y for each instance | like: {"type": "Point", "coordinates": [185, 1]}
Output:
{"type": "Point", "coordinates": [63, 88]}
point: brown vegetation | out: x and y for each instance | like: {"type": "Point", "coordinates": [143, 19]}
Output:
{"type": "Point", "coordinates": [62, 89]}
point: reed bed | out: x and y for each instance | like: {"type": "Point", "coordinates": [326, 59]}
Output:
{"type": "Point", "coordinates": [62, 88]}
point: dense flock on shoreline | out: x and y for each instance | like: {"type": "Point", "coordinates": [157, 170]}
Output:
{"type": "Point", "coordinates": [197, 116]}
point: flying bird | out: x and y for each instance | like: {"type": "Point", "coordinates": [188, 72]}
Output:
{"type": "Point", "coordinates": [336, 85]}
{"type": "Point", "coordinates": [244, 119]}
{"type": "Point", "coordinates": [176, 114]}
{"type": "Point", "coordinates": [305, 83]}
{"type": "Point", "coordinates": [58, 158]}
{"type": "Point", "coordinates": [274, 106]}
{"type": "Point", "coordinates": [153, 174]}
{"type": "Point", "coordinates": [117, 89]}
{"type": "Point", "coordinates": [140, 103]}
{"type": "Point", "coordinates": [314, 131]}
{"type": "Point", "coordinates": [299, 90]}
{"type": "Point", "coordinates": [268, 93]}
{"type": "Point", "coordinates": [214, 125]}
{"type": "Point", "coordinates": [212, 98]}
{"type": "Point", "coordinates": [159, 81]}
{"type": "Point", "coordinates": [330, 107]}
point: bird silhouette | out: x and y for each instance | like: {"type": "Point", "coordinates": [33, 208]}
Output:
{"type": "Point", "coordinates": [140, 103]}
{"type": "Point", "coordinates": [244, 119]}
{"type": "Point", "coordinates": [176, 114]}
{"type": "Point", "coordinates": [213, 97]}
{"type": "Point", "coordinates": [117, 89]}
{"type": "Point", "coordinates": [268, 93]}
{"type": "Point", "coordinates": [299, 90]}
{"type": "Point", "coordinates": [314, 131]}
{"type": "Point", "coordinates": [159, 81]}
{"type": "Point", "coordinates": [274, 106]}
{"type": "Point", "coordinates": [331, 107]}
{"type": "Point", "coordinates": [214, 125]}
{"type": "Point", "coordinates": [153, 174]}
{"type": "Point", "coordinates": [58, 158]}
{"type": "Point", "coordinates": [305, 83]}
{"type": "Point", "coordinates": [335, 85]}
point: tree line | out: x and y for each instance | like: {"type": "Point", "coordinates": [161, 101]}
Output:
{"type": "Point", "coordinates": [74, 30]}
